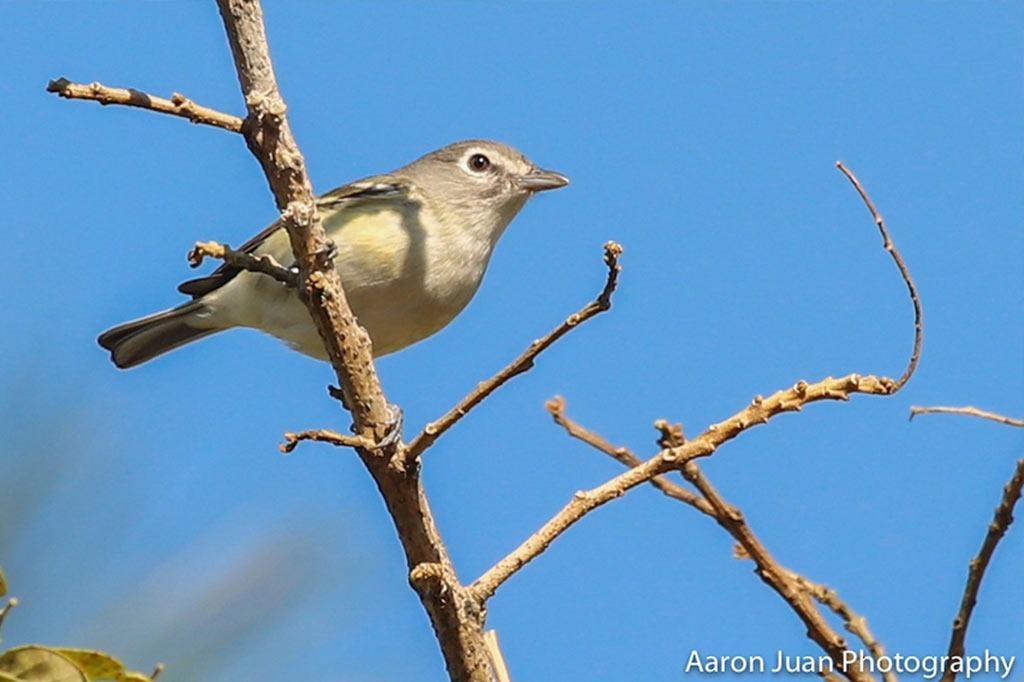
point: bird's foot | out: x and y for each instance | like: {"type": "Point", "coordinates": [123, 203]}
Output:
{"type": "Point", "coordinates": [327, 252]}
{"type": "Point", "coordinates": [393, 435]}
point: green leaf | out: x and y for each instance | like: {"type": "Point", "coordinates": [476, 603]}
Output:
{"type": "Point", "coordinates": [3, 582]}
{"type": "Point", "coordinates": [39, 664]}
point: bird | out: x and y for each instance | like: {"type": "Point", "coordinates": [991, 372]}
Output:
{"type": "Point", "coordinates": [411, 247]}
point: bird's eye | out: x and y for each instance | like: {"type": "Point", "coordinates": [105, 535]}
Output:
{"type": "Point", "coordinates": [479, 162]}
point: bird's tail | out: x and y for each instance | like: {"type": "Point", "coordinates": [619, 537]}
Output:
{"type": "Point", "coordinates": [137, 341]}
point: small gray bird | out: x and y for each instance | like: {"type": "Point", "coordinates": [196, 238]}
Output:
{"type": "Point", "coordinates": [411, 248]}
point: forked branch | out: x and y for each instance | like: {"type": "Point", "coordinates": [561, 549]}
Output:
{"type": "Point", "coordinates": [793, 587]}
{"type": "Point", "coordinates": [556, 406]}
{"type": "Point", "coordinates": [680, 456]}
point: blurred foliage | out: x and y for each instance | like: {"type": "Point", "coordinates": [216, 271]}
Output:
{"type": "Point", "coordinates": [34, 663]}
{"type": "Point", "coordinates": [203, 602]}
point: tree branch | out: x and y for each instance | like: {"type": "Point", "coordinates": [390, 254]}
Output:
{"type": "Point", "coordinates": [976, 572]}
{"type": "Point", "coordinates": [583, 501]}
{"type": "Point", "coordinates": [263, 264]}
{"type": "Point", "coordinates": [853, 621]}
{"type": "Point", "coordinates": [556, 406]}
{"type": "Point", "coordinates": [759, 411]}
{"type": "Point", "coordinates": [457, 618]}
{"type": "Point", "coordinates": [270, 139]}
{"type": "Point", "coordinates": [904, 272]}
{"type": "Point", "coordinates": [177, 105]}
{"type": "Point", "coordinates": [677, 456]}
{"type": "Point", "coordinates": [774, 575]}
{"type": "Point", "coordinates": [324, 436]}
{"type": "Point", "coordinates": [497, 659]}
{"type": "Point", "coordinates": [967, 409]}
{"type": "Point", "coordinates": [432, 431]}
{"type": "Point", "coordinates": [787, 583]}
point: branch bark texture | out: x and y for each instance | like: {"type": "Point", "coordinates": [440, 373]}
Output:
{"type": "Point", "coordinates": [270, 138]}
{"type": "Point", "coordinates": [456, 617]}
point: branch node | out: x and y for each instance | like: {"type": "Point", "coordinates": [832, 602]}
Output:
{"type": "Point", "coordinates": [671, 435]}
{"type": "Point", "coordinates": [427, 577]}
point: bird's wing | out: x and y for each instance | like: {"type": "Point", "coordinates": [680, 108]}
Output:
{"type": "Point", "coordinates": [375, 188]}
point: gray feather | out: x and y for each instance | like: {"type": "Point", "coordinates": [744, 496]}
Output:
{"type": "Point", "coordinates": [137, 341]}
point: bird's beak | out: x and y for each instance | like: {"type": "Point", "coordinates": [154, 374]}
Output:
{"type": "Point", "coordinates": [538, 180]}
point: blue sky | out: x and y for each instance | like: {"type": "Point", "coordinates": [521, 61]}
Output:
{"type": "Point", "coordinates": [149, 512]}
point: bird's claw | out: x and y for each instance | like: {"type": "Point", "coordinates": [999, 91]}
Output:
{"type": "Point", "coordinates": [328, 251]}
{"type": "Point", "coordinates": [394, 424]}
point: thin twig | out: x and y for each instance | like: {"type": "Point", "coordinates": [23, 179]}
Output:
{"type": "Point", "coordinates": [966, 409]}
{"type": "Point", "coordinates": [680, 456]}
{"type": "Point", "coordinates": [292, 439]}
{"type": "Point", "coordinates": [264, 264]}
{"type": "Point", "coordinates": [556, 406]}
{"type": "Point", "coordinates": [773, 574]}
{"type": "Point", "coordinates": [976, 569]}
{"type": "Point", "coordinates": [495, 656]}
{"type": "Point", "coordinates": [177, 105]}
{"type": "Point", "coordinates": [11, 603]}
{"type": "Point", "coordinates": [583, 502]}
{"type": "Point", "coordinates": [432, 431]}
{"type": "Point", "coordinates": [904, 271]}
{"type": "Point", "coordinates": [854, 622]}
{"type": "Point", "coordinates": [759, 411]}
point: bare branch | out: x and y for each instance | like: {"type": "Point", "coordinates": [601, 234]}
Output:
{"type": "Point", "coordinates": [966, 409]}
{"type": "Point", "coordinates": [759, 411]}
{"type": "Point", "coordinates": [904, 272]}
{"type": "Point", "coordinates": [11, 603]}
{"type": "Point", "coordinates": [496, 657]}
{"type": "Point", "coordinates": [556, 406]}
{"type": "Point", "coordinates": [680, 455]}
{"type": "Point", "coordinates": [749, 546]}
{"type": "Point", "coordinates": [292, 439]}
{"type": "Point", "coordinates": [432, 431]}
{"type": "Point", "coordinates": [976, 569]}
{"type": "Point", "coordinates": [773, 574]}
{"type": "Point", "coordinates": [177, 105]}
{"type": "Point", "coordinates": [457, 618]}
{"type": "Point", "coordinates": [854, 622]}
{"type": "Point", "coordinates": [583, 501]}
{"type": "Point", "coordinates": [270, 139]}
{"type": "Point", "coordinates": [264, 264]}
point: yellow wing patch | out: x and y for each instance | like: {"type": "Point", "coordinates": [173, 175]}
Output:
{"type": "Point", "coordinates": [374, 240]}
